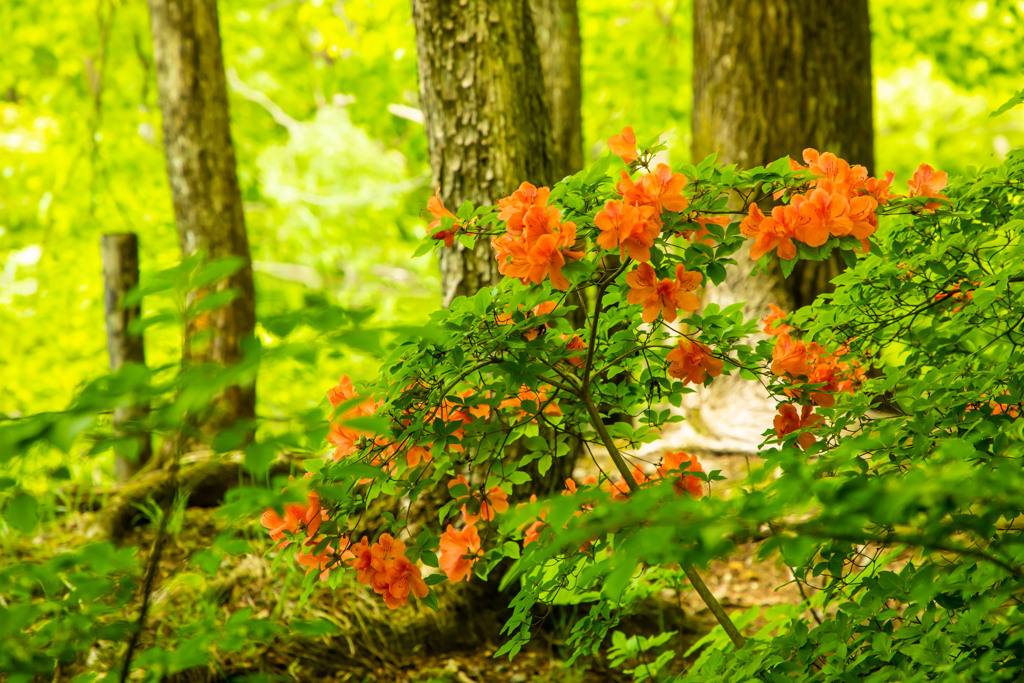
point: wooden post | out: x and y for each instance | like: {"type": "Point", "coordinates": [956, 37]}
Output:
{"type": "Point", "coordinates": [120, 275]}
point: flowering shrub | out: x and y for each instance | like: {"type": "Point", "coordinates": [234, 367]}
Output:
{"type": "Point", "coordinates": [504, 381]}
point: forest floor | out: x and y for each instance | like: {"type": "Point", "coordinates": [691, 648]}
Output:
{"type": "Point", "coordinates": [369, 644]}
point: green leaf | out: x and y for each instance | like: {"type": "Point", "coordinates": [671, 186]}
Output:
{"type": "Point", "coordinates": [715, 272]}
{"type": "Point", "coordinates": [1016, 99]}
{"type": "Point", "coordinates": [216, 270]}
{"type": "Point", "coordinates": [258, 457]}
{"type": "Point", "coordinates": [21, 512]}
{"type": "Point", "coordinates": [787, 266]}
{"type": "Point", "coordinates": [375, 425]}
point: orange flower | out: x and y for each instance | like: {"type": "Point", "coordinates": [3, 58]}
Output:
{"type": "Point", "coordinates": [863, 219]}
{"type": "Point", "coordinates": [665, 188]}
{"type": "Point", "coordinates": [677, 461]}
{"type": "Point", "coordinates": [632, 229]}
{"type": "Point", "coordinates": [533, 530]}
{"type": "Point", "coordinates": [539, 249]}
{"type": "Point", "coordinates": [623, 145]}
{"type": "Point", "coordinates": [620, 489]}
{"type": "Point", "coordinates": [494, 501]}
{"type": "Point", "coordinates": [402, 577]}
{"type": "Point", "coordinates": [514, 207]}
{"type": "Point", "coordinates": [344, 439]}
{"type": "Point", "coordinates": [879, 189]}
{"type": "Point", "coordinates": [959, 293]}
{"type": "Point", "coordinates": [788, 421]}
{"type": "Point", "coordinates": [343, 391]}
{"type": "Point", "coordinates": [789, 357]}
{"type": "Point", "coordinates": [776, 314]}
{"type": "Point", "coordinates": [576, 344]}
{"type": "Point", "coordinates": [822, 213]}
{"type": "Point", "coordinates": [437, 210]}
{"type": "Point", "coordinates": [831, 168]}
{"type": "Point", "coordinates": [416, 454]}
{"type": "Point", "coordinates": [546, 260]}
{"type": "Point", "coordinates": [692, 362]}
{"type": "Point", "coordinates": [661, 189]}
{"type": "Point", "coordinates": [532, 533]}
{"type": "Point", "coordinates": [306, 517]}
{"type": "Point", "coordinates": [774, 232]}
{"type": "Point", "coordinates": [663, 296]}
{"type": "Point", "coordinates": [538, 397]}
{"type": "Point", "coordinates": [927, 182]}
{"type": "Point", "coordinates": [324, 561]}
{"type": "Point", "coordinates": [459, 550]}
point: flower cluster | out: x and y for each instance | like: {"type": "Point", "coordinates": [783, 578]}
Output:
{"type": "Point", "coordinates": [815, 375]}
{"type": "Point", "coordinates": [304, 518]}
{"type": "Point", "coordinates": [345, 439]}
{"type": "Point", "coordinates": [536, 243]}
{"type": "Point", "coordinates": [384, 567]}
{"type": "Point", "coordinates": [841, 201]}
{"type": "Point", "coordinates": [296, 518]}
{"type": "Point", "coordinates": [675, 466]}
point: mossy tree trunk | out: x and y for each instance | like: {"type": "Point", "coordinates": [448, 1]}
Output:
{"type": "Point", "coordinates": [488, 127]}
{"type": "Point", "coordinates": [204, 185]}
{"type": "Point", "coordinates": [485, 94]}
{"type": "Point", "coordinates": [771, 78]}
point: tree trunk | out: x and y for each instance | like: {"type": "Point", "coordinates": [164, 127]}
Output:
{"type": "Point", "coordinates": [204, 185]}
{"type": "Point", "coordinates": [120, 253]}
{"type": "Point", "coordinates": [488, 129]}
{"type": "Point", "coordinates": [771, 78]}
{"type": "Point", "coordinates": [558, 39]}
{"type": "Point", "coordinates": [482, 92]}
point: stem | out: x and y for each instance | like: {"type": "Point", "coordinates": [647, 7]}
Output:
{"type": "Point", "coordinates": [627, 476]}
{"type": "Point", "coordinates": [716, 607]}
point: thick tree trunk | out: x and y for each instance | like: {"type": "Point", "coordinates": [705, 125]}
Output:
{"type": "Point", "coordinates": [204, 184]}
{"type": "Point", "coordinates": [557, 25]}
{"type": "Point", "coordinates": [772, 77]}
{"type": "Point", "coordinates": [488, 129]}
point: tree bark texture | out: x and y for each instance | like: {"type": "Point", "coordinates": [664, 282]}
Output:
{"type": "Point", "coordinates": [557, 24]}
{"type": "Point", "coordinates": [204, 183]}
{"type": "Point", "coordinates": [120, 255]}
{"type": "Point", "coordinates": [771, 78]}
{"type": "Point", "coordinates": [487, 124]}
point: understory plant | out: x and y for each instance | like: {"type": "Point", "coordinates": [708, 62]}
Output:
{"type": "Point", "coordinates": [891, 478]}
